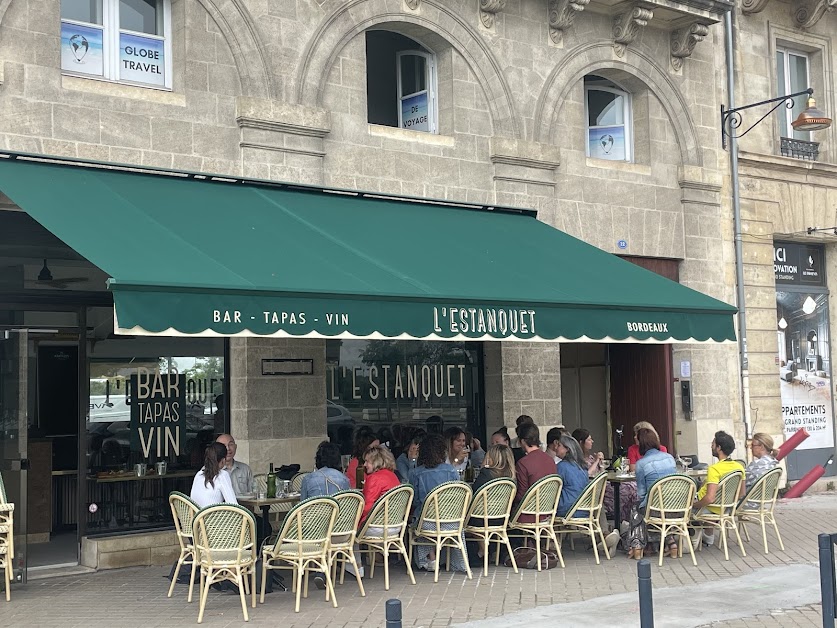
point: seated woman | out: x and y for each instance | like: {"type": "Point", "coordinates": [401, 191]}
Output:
{"type": "Point", "coordinates": [653, 465]}
{"type": "Point", "coordinates": [457, 454]}
{"type": "Point", "coordinates": [764, 459]}
{"type": "Point", "coordinates": [498, 463]}
{"type": "Point", "coordinates": [501, 437]}
{"type": "Point", "coordinates": [633, 450]}
{"type": "Point", "coordinates": [595, 465]}
{"type": "Point", "coordinates": [326, 479]}
{"type": "Point", "coordinates": [572, 470]}
{"type": "Point", "coordinates": [432, 470]}
{"type": "Point", "coordinates": [380, 476]}
{"type": "Point", "coordinates": [406, 462]}
{"type": "Point", "coordinates": [212, 484]}
{"type": "Point", "coordinates": [364, 438]}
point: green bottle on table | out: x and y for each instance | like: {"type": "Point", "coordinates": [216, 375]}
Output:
{"type": "Point", "coordinates": [271, 482]}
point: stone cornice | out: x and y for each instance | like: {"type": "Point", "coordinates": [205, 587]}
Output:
{"type": "Point", "coordinates": [627, 26]}
{"type": "Point", "coordinates": [561, 16]}
{"type": "Point", "coordinates": [804, 168]}
{"type": "Point", "coordinates": [281, 127]}
{"type": "Point", "coordinates": [524, 153]}
{"type": "Point", "coordinates": [684, 40]}
{"type": "Point", "coordinates": [749, 7]}
{"type": "Point", "coordinates": [811, 11]}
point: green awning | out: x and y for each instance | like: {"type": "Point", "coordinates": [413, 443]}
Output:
{"type": "Point", "coordinates": [202, 256]}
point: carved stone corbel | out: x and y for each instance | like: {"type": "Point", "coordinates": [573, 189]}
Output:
{"type": "Point", "coordinates": [561, 16]}
{"type": "Point", "coordinates": [683, 42]}
{"type": "Point", "coordinates": [413, 4]}
{"type": "Point", "coordinates": [811, 12]}
{"type": "Point", "coordinates": [488, 10]}
{"type": "Point", "coordinates": [749, 7]}
{"type": "Point", "coordinates": [626, 27]}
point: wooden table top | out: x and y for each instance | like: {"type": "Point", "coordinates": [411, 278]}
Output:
{"type": "Point", "coordinates": [131, 476]}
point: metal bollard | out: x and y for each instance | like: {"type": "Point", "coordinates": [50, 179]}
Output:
{"type": "Point", "coordinates": [393, 609]}
{"type": "Point", "coordinates": [826, 551]}
{"type": "Point", "coordinates": [646, 602]}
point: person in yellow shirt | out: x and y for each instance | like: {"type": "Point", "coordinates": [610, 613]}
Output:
{"type": "Point", "coordinates": [722, 447]}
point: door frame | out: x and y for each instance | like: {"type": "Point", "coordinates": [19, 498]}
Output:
{"type": "Point", "coordinates": [76, 303]}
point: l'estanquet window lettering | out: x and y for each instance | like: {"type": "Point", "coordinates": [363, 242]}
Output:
{"type": "Point", "coordinates": [118, 40]}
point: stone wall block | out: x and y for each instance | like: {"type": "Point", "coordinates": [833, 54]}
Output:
{"type": "Point", "coordinates": [79, 124]}
{"type": "Point", "coordinates": [125, 130]}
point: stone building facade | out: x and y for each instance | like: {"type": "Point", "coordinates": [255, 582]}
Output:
{"type": "Point", "coordinates": [281, 91]}
{"type": "Point", "coordinates": [788, 185]}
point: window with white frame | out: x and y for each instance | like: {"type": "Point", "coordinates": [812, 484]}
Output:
{"type": "Point", "coordinates": [608, 109]}
{"type": "Point", "coordinates": [400, 82]}
{"type": "Point", "coordinates": [792, 76]}
{"type": "Point", "coordinates": [117, 40]}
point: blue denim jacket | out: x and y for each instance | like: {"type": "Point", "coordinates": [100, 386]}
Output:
{"type": "Point", "coordinates": [650, 468]}
{"type": "Point", "coordinates": [425, 480]}
{"type": "Point", "coordinates": [575, 481]}
{"type": "Point", "coordinates": [321, 482]}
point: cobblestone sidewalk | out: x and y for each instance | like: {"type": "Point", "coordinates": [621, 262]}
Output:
{"type": "Point", "coordinates": [136, 597]}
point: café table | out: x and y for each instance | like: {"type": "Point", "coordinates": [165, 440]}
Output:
{"type": "Point", "coordinates": [255, 504]}
{"type": "Point", "coordinates": [615, 478]}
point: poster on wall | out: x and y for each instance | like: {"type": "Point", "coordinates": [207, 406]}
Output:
{"type": "Point", "coordinates": [81, 49]}
{"type": "Point", "coordinates": [805, 367]}
{"type": "Point", "coordinates": [157, 405]}
{"type": "Point", "coordinates": [142, 59]}
{"type": "Point", "coordinates": [607, 142]}
{"type": "Point", "coordinates": [414, 114]}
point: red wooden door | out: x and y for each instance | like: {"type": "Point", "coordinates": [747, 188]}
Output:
{"type": "Point", "coordinates": [641, 376]}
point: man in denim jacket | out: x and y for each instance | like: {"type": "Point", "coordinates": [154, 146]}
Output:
{"type": "Point", "coordinates": [327, 479]}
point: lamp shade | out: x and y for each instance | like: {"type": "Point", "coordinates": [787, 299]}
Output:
{"type": "Point", "coordinates": [783, 324]}
{"type": "Point", "coordinates": [809, 305]}
{"type": "Point", "coordinates": [812, 119]}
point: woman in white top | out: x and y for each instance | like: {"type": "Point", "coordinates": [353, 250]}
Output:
{"type": "Point", "coordinates": [212, 484]}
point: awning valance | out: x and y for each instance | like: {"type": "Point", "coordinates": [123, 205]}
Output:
{"type": "Point", "coordinates": [201, 256]}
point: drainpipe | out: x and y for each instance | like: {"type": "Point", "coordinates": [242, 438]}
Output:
{"type": "Point", "coordinates": [744, 366]}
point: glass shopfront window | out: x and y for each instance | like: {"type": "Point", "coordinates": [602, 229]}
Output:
{"type": "Point", "coordinates": [155, 403]}
{"type": "Point", "coordinates": [397, 387]}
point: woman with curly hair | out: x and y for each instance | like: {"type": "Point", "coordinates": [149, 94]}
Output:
{"type": "Point", "coordinates": [432, 470]}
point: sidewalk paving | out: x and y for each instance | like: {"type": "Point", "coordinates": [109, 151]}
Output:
{"type": "Point", "coordinates": [136, 597]}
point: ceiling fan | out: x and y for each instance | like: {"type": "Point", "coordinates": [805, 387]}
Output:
{"type": "Point", "coordinates": [45, 278]}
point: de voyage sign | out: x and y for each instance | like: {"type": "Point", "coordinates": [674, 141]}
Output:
{"type": "Point", "coordinates": [157, 403]}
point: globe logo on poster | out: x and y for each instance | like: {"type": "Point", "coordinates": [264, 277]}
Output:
{"type": "Point", "coordinates": [79, 45]}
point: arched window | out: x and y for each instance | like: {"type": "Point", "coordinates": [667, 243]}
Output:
{"type": "Point", "coordinates": [400, 82]}
{"type": "Point", "coordinates": [608, 109]}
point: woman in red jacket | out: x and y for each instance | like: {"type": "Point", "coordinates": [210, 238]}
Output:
{"type": "Point", "coordinates": [379, 465]}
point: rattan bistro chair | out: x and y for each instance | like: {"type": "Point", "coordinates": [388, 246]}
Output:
{"type": "Point", "coordinates": [7, 539]}
{"type": "Point", "coordinates": [590, 503]}
{"type": "Point", "coordinates": [384, 529]}
{"type": "Point", "coordinates": [539, 504]}
{"type": "Point", "coordinates": [488, 518]}
{"type": "Point", "coordinates": [303, 543]}
{"type": "Point", "coordinates": [668, 510]}
{"type": "Point", "coordinates": [341, 550]}
{"type": "Point", "coordinates": [296, 481]}
{"type": "Point", "coordinates": [758, 505]}
{"type": "Point", "coordinates": [726, 500]}
{"type": "Point", "coordinates": [183, 511]}
{"type": "Point", "coordinates": [441, 521]}
{"type": "Point", "coordinates": [225, 544]}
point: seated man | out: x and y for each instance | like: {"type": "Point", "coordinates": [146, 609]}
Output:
{"type": "Point", "coordinates": [240, 473]}
{"type": "Point", "coordinates": [722, 447]}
